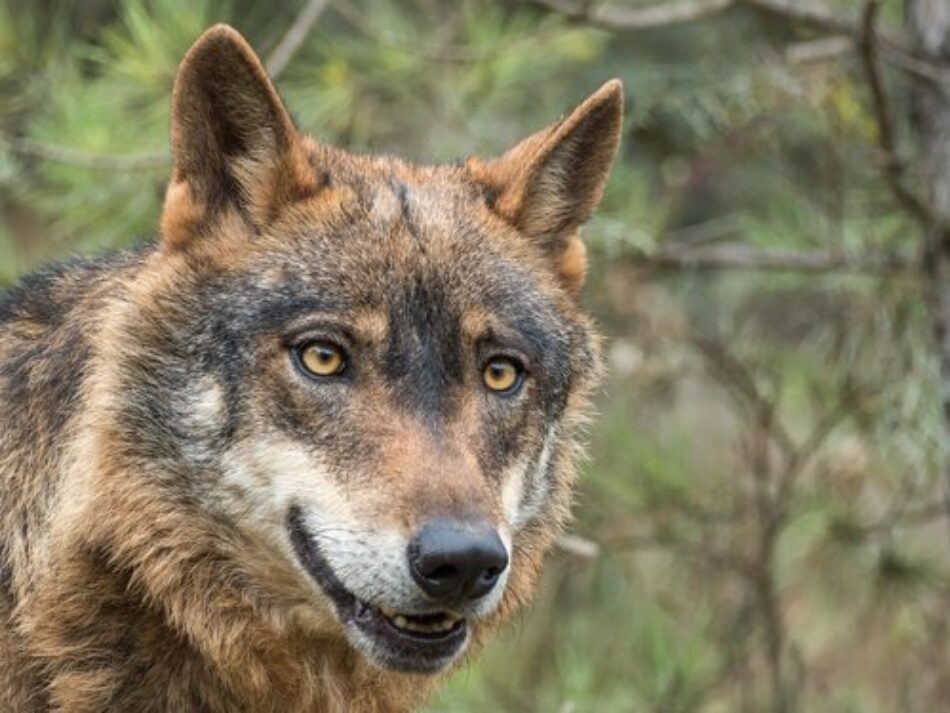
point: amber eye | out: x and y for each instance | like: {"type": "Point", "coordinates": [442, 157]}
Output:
{"type": "Point", "coordinates": [502, 375]}
{"type": "Point", "coordinates": [322, 359]}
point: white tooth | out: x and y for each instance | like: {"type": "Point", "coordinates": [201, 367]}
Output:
{"type": "Point", "coordinates": [401, 622]}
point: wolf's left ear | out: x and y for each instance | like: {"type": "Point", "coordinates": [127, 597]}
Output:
{"type": "Point", "coordinates": [235, 150]}
{"type": "Point", "coordinates": [549, 184]}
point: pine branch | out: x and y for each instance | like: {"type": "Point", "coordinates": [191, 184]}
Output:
{"type": "Point", "coordinates": [276, 63]}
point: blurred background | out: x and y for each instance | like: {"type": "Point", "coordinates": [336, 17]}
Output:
{"type": "Point", "coordinates": [764, 520]}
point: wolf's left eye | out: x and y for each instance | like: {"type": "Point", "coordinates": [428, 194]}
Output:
{"type": "Point", "coordinates": [322, 359]}
{"type": "Point", "coordinates": [503, 375]}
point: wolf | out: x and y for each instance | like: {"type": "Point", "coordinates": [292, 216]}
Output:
{"type": "Point", "coordinates": [307, 449]}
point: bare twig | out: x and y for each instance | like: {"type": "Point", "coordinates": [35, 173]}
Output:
{"type": "Point", "coordinates": [294, 38]}
{"type": "Point", "coordinates": [745, 257]}
{"type": "Point", "coordinates": [806, 14]}
{"type": "Point", "coordinates": [819, 17]}
{"type": "Point", "coordinates": [145, 161]}
{"type": "Point", "coordinates": [921, 516]}
{"type": "Point", "coordinates": [625, 19]}
{"type": "Point", "coordinates": [821, 50]}
{"type": "Point", "coordinates": [894, 167]}
{"type": "Point", "coordinates": [734, 374]}
{"type": "Point", "coordinates": [798, 462]}
{"type": "Point", "coordinates": [810, 14]}
{"type": "Point", "coordinates": [915, 65]}
{"type": "Point", "coordinates": [578, 546]}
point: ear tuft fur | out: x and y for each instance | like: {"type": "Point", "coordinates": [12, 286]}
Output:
{"type": "Point", "coordinates": [548, 185]}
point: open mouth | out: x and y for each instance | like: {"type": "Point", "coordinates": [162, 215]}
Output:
{"type": "Point", "coordinates": [412, 642]}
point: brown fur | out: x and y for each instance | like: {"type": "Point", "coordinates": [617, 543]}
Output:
{"type": "Point", "coordinates": [121, 588]}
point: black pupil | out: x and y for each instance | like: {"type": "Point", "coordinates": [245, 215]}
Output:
{"type": "Point", "coordinates": [501, 371]}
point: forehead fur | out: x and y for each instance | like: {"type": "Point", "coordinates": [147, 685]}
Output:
{"type": "Point", "coordinates": [383, 223]}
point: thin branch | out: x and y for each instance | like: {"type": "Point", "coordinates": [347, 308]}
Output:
{"type": "Point", "coordinates": [145, 161]}
{"type": "Point", "coordinates": [894, 167]}
{"type": "Point", "coordinates": [833, 47]}
{"type": "Point", "coordinates": [806, 14]}
{"type": "Point", "coordinates": [806, 452]}
{"type": "Point", "coordinates": [820, 18]}
{"type": "Point", "coordinates": [912, 64]}
{"type": "Point", "coordinates": [295, 36]}
{"type": "Point", "coordinates": [625, 19]}
{"type": "Point", "coordinates": [732, 373]}
{"type": "Point", "coordinates": [921, 516]}
{"type": "Point", "coordinates": [821, 50]}
{"type": "Point", "coordinates": [578, 546]}
{"type": "Point", "coordinates": [745, 257]}
{"type": "Point", "coordinates": [901, 51]}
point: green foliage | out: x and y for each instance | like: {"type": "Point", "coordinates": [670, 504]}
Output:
{"type": "Point", "coordinates": [766, 464]}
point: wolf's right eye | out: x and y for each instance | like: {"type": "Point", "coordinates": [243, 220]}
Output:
{"type": "Point", "coordinates": [503, 375]}
{"type": "Point", "coordinates": [321, 359]}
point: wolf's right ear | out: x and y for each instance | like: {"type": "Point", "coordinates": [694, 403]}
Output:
{"type": "Point", "coordinates": [234, 146]}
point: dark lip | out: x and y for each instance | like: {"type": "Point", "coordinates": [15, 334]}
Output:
{"type": "Point", "coordinates": [395, 648]}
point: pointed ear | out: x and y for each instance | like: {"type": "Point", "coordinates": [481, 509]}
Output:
{"type": "Point", "coordinates": [234, 146]}
{"type": "Point", "coordinates": [548, 185]}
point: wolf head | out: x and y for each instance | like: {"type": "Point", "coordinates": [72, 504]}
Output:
{"type": "Point", "coordinates": [372, 370]}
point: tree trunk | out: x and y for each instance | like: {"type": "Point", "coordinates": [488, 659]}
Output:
{"type": "Point", "coordinates": [929, 22]}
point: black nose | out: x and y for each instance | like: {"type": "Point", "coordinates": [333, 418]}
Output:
{"type": "Point", "coordinates": [457, 561]}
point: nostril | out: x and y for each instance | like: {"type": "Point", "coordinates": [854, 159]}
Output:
{"type": "Point", "coordinates": [443, 573]}
{"type": "Point", "coordinates": [453, 561]}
